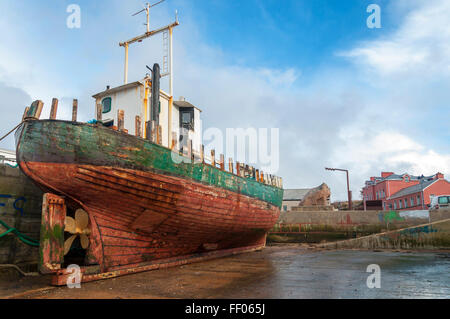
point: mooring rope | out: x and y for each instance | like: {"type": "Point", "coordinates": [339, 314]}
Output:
{"type": "Point", "coordinates": [27, 274]}
{"type": "Point", "coordinates": [11, 131]}
{"type": "Point", "coordinates": [24, 238]}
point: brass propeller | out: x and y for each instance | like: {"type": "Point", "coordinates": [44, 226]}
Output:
{"type": "Point", "coordinates": [77, 227]}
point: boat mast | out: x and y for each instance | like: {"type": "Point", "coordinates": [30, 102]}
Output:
{"type": "Point", "coordinates": [168, 29]}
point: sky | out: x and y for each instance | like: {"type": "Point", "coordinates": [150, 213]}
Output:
{"type": "Point", "coordinates": [342, 94]}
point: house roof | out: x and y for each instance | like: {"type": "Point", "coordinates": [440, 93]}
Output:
{"type": "Point", "coordinates": [9, 152]}
{"type": "Point", "coordinates": [185, 104]}
{"type": "Point", "coordinates": [398, 177]}
{"type": "Point", "coordinates": [117, 89]}
{"type": "Point", "coordinates": [295, 194]}
{"type": "Point", "coordinates": [413, 189]}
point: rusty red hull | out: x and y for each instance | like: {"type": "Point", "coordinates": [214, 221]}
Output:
{"type": "Point", "coordinates": [139, 217]}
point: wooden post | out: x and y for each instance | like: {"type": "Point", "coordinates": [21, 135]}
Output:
{"type": "Point", "coordinates": [238, 171]}
{"type": "Point", "coordinates": [137, 123]}
{"type": "Point", "coordinates": [153, 132]}
{"type": "Point", "coordinates": [230, 165]}
{"type": "Point", "coordinates": [54, 109]}
{"type": "Point", "coordinates": [25, 113]}
{"type": "Point", "coordinates": [74, 110]}
{"type": "Point", "coordinates": [159, 135]}
{"type": "Point", "coordinates": [222, 162]}
{"type": "Point", "coordinates": [34, 111]}
{"type": "Point", "coordinates": [120, 119]}
{"type": "Point", "coordinates": [213, 158]}
{"type": "Point", "coordinates": [189, 149]}
{"type": "Point", "coordinates": [257, 175]}
{"type": "Point", "coordinates": [99, 110]}
{"type": "Point", "coordinates": [148, 130]}
{"type": "Point", "coordinates": [174, 141]}
{"type": "Point", "coordinates": [202, 153]}
{"type": "Point", "coordinates": [281, 182]}
{"type": "Point", "coordinates": [261, 177]}
{"type": "Point", "coordinates": [52, 233]}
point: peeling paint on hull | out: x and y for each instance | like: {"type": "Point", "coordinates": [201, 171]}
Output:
{"type": "Point", "coordinates": [142, 206]}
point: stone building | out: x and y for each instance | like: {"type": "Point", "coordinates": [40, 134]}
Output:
{"type": "Point", "coordinates": [317, 196]}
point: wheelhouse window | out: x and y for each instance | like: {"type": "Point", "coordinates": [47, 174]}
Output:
{"type": "Point", "coordinates": [187, 118]}
{"type": "Point", "coordinates": [106, 105]}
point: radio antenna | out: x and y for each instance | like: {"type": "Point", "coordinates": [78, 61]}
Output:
{"type": "Point", "coordinates": [147, 12]}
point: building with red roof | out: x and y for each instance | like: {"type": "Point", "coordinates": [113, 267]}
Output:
{"type": "Point", "coordinates": [403, 192]}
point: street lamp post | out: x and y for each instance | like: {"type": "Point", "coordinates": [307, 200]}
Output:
{"type": "Point", "coordinates": [349, 193]}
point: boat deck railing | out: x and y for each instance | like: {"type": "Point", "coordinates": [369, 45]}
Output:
{"type": "Point", "coordinates": [153, 133]}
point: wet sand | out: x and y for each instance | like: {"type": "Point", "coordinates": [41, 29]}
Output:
{"type": "Point", "coordinates": [285, 271]}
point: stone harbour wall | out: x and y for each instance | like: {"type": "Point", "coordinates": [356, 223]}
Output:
{"type": "Point", "coordinates": [20, 207]}
{"type": "Point", "coordinates": [319, 226]}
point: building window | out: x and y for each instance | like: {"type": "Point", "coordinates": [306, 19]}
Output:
{"type": "Point", "coordinates": [418, 200]}
{"type": "Point", "coordinates": [395, 205]}
{"type": "Point", "coordinates": [400, 204]}
{"type": "Point", "coordinates": [406, 203]}
{"type": "Point", "coordinates": [285, 208]}
{"type": "Point", "coordinates": [106, 105]}
{"type": "Point", "coordinates": [187, 118]}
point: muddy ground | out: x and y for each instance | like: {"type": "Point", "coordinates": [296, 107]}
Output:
{"type": "Point", "coordinates": [281, 271]}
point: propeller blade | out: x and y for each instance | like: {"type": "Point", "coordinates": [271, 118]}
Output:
{"type": "Point", "coordinates": [84, 241]}
{"type": "Point", "coordinates": [82, 219]}
{"type": "Point", "coordinates": [68, 243]}
{"type": "Point", "coordinates": [69, 225]}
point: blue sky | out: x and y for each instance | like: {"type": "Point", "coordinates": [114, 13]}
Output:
{"type": "Point", "coordinates": [342, 94]}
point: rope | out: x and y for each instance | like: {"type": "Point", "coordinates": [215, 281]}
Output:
{"type": "Point", "coordinates": [19, 270]}
{"type": "Point", "coordinates": [24, 238]}
{"type": "Point", "coordinates": [11, 131]}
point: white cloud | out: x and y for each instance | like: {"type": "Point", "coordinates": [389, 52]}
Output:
{"type": "Point", "coordinates": [369, 154]}
{"type": "Point", "coordinates": [280, 78]}
{"type": "Point", "coordinates": [332, 120]}
{"type": "Point", "coordinates": [420, 45]}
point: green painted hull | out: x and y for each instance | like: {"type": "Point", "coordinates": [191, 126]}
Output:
{"type": "Point", "coordinates": [53, 141]}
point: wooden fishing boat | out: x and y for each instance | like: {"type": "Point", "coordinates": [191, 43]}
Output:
{"type": "Point", "coordinates": [118, 203]}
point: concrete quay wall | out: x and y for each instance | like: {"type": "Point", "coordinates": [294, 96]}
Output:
{"type": "Point", "coordinates": [430, 236]}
